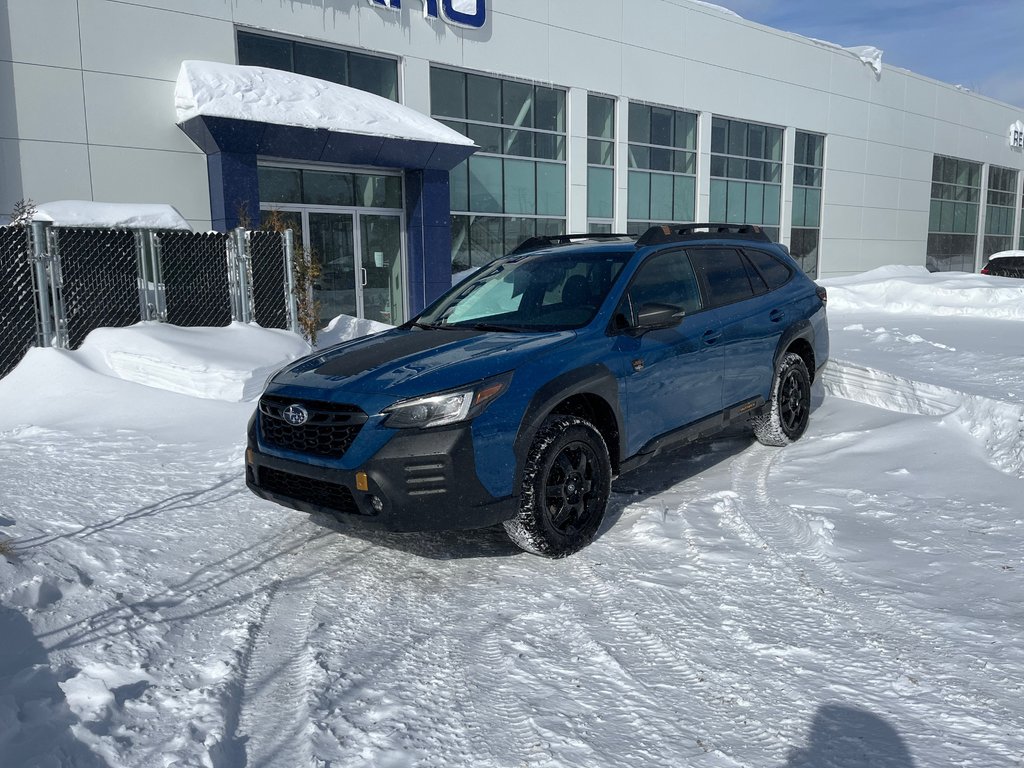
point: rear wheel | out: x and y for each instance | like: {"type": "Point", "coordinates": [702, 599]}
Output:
{"type": "Point", "coordinates": [786, 416]}
{"type": "Point", "coordinates": [565, 488]}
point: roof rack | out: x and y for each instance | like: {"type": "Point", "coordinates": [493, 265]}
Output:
{"type": "Point", "coordinates": [665, 233]}
{"type": "Point", "coordinates": [545, 241]}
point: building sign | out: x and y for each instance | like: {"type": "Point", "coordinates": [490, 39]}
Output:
{"type": "Point", "coordinates": [1016, 135]}
{"type": "Point", "coordinates": [461, 13]}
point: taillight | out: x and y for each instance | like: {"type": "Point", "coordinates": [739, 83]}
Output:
{"type": "Point", "coordinates": [984, 270]}
{"type": "Point", "coordinates": [822, 293]}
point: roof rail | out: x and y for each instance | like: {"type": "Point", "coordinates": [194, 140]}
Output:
{"type": "Point", "coordinates": [672, 232]}
{"type": "Point", "coordinates": [545, 241]}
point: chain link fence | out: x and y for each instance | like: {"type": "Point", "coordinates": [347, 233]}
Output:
{"type": "Point", "coordinates": [58, 284]}
{"type": "Point", "coordinates": [17, 307]}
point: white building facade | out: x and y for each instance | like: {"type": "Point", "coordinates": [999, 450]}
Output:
{"type": "Point", "coordinates": [604, 115]}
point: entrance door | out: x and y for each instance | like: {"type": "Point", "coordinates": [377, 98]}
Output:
{"type": "Point", "coordinates": [380, 252]}
{"type": "Point", "coordinates": [332, 242]}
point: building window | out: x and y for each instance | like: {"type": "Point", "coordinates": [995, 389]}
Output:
{"type": "Point", "coordinates": [514, 187]}
{"type": "Point", "coordinates": [373, 74]}
{"type": "Point", "coordinates": [600, 163]}
{"type": "Point", "coordinates": [1000, 210]}
{"type": "Point", "coordinates": [953, 216]}
{"type": "Point", "coordinates": [662, 166]}
{"type": "Point", "coordinates": [746, 174]}
{"type": "Point", "coordinates": [808, 171]}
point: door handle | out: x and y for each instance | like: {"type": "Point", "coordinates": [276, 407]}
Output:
{"type": "Point", "coordinates": [363, 270]}
{"type": "Point", "coordinates": [712, 336]}
{"type": "Point", "coordinates": [776, 315]}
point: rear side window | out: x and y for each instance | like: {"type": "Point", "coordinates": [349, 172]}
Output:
{"type": "Point", "coordinates": [774, 272]}
{"type": "Point", "coordinates": [725, 274]}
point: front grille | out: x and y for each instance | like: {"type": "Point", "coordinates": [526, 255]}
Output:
{"type": "Point", "coordinates": [329, 431]}
{"type": "Point", "coordinates": [319, 492]}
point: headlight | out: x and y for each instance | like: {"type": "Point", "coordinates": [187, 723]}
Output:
{"type": "Point", "coordinates": [445, 407]}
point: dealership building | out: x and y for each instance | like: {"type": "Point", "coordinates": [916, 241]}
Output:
{"type": "Point", "coordinates": [548, 116]}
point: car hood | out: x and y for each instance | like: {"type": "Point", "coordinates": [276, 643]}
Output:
{"type": "Point", "coordinates": [410, 362]}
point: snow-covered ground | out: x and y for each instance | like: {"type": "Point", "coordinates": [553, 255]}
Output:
{"type": "Point", "coordinates": [851, 600]}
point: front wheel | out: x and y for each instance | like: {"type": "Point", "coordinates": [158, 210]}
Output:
{"type": "Point", "coordinates": [785, 419]}
{"type": "Point", "coordinates": [565, 488]}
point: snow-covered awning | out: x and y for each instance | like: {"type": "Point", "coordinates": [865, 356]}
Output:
{"type": "Point", "coordinates": [88, 213]}
{"type": "Point", "coordinates": [256, 110]}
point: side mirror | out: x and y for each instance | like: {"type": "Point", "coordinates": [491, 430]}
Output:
{"type": "Point", "coordinates": [654, 317]}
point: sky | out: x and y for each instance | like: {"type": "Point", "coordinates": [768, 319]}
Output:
{"type": "Point", "coordinates": [973, 43]}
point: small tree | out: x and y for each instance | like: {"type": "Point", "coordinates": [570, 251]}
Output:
{"type": "Point", "coordinates": [306, 271]}
{"type": "Point", "coordinates": [24, 212]}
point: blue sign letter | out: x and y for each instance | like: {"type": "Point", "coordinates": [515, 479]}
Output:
{"type": "Point", "coordinates": [463, 15]}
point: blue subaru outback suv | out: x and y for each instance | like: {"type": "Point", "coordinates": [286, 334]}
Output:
{"type": "Point", "coordinates": [520, 394]}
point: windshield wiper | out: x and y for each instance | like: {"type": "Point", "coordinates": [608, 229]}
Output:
{"type": "Point", "coordinates": [494, 327]}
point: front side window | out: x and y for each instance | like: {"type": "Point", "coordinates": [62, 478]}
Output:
{"type": "Point", "coordinates": [662, 166]}
{"type": "Point", "coordinates": [665, 279]}
{"type": "Point", "coordinates": [953, 215]}
{"type": "Point", "coordinates": [514, 187]}
{"type": "Point", "coordinates": [746, 174]}
{"type": "Point", "coordinates": [374, 74]}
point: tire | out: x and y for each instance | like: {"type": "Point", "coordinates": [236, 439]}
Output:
{"type": "Point", "coordinates": [785, 418]}
{"type": "Point", "coordinates": [565, 489]}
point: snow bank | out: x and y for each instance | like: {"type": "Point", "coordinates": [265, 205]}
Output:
{"type": "Point", "coordinates": [285, 98]}
{"type": "Point", "coordinates": [344, 328]}
{"type": "Point", "coordinates": [87, 213]}
{"type": "Point", "coordinates": [915, 290]}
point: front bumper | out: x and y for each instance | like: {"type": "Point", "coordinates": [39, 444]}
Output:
{"type": "Point", "coordinates": [419, 481]}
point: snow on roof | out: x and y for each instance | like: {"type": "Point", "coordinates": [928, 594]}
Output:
{"type": "Point", "coordinates": [719, 8]}
{"type": "Point", "coordinates": [87, 213]}
{"type": "Point", "coordinates": [285, 98]}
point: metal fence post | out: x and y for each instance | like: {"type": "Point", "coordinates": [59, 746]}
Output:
{"type": "Point", "coordinates": [156, 254]}
{"type": "Point", "coordinates": [242, 271]}
{"type": "Point", "coordinates": [289, 281]}
{"type": "Point", "coordinates": [56, 271]}
{"type": "Point", "coordinates": [147, 281]}
{"type": "Point", "coordinates": [39, 259]}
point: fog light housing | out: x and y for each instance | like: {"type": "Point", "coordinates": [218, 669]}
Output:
{"type": "Point", "coordinates": [377, 504]}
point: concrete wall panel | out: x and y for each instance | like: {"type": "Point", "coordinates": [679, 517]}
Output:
{"type": "Point", "coordinates": [47, 104]}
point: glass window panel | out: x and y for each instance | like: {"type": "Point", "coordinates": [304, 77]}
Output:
{"type": "Point", "coordinates": [549, 106]}
{"type": "Point", "coordinates": [736, 202]}
{"type": "Point", "coordinates": [772, 204]}
{"type": "Point", "coordinates": [460, 243]}
{"type": "Point", "coordinates": [684, 162]}
{"type": "Point", "coordinates": [374, 75]}
{"type": "Point", "coordinates": [550, 226]}
{"type": "Point", "coordinates": [485, 185]}
{"type": "Point", "coordinates": [684, 198]}
{"type": "Point", "coordinates": [662, 121]}
{"type": "Point", "coordinates": [517, 104]}
{"type": "Point", "coordinates": [799, 202]}
{"type": "Point", "coordinates": [378, 191]}
{"type": "Point", "coordinates": [718, 200]}
{"type": "Point", "coordinates": [639, 200]}
{"type": "Point", "coordinates": [456, 126]}
{"type": "Point", "coordinates": [280, 185]}
{"type": "Point", "coordinates": [486, 239]}
{"type": "Point", "coordinates": [600, 193]}
{"type": "Point", "coordinates": [800, 175]}
{"type": "Point", "coordinates": [324, 63]}
{"type": "Point", "coordinates": [459, 181]}
{"type": "Point", "coordinates": [600, 117]}
{"type": "Point", "coordinates": [686, 130]}
{"type": "Point", "coordinates": [948, 171]}
{"type": "Point", "coordinates": [661, 159]}
{"type": "Point", "coordinates": [549, 146]}
{"type": "Point", "coordinates": [600, 152]}
{"type": "Point", "coordinates": [487, 137]}
{"type": "Point", "coordinates": [756, 143]}
{"type": "Point", "coordinates": [599, 227]}
{"type": "Point", "coordinates": [755, 170]}
{"type": "Point", "coordinates": [639, 123]}
{"type": "Point", "coordinates": [945, 216]}
{"type": "Point", "coordinates": [517, 231]}
{"type": "Point", "coordinates": [774, 138]}
{"type": "Point", "coordinates": [719, 135]}
{"type": "Point", "coordinates": [773, 172]}
{"type": "Point", "coordinates": [755, 203]}
{"type": "Point", "coordinates": [520, 186]}
{"type": "Point", "coordinates": [971, 212]}
{"type": "Point", "coordinates": [639, 157]}
{"type": "Point", "coordinates": [737, 138]}
{"type": "Point", "coordinates": [800, 154]}
{"type": "Point", "coordinates": [326, 188]}
{"type": "Point", "coordinates": [262, 51]}
{"type": "Point", "coordinates": [737, 168]}
{"type": "Point", "coordinates": [518, 142]}
{"type": "Point", "coordinates": [661, 197]}
{"type": "Point", "coordinates": [483, 98]}
{"type": "Point", "coordinates": [447, 93]}
{"type": "Point", "coordinates": [818, 155]}
{"type": "Point", "coordinates": [959, 218]}
{"type": "Point", "coordinates": [551, 189]}
{"type": "Point", "coordinates": [718, 165]}
{"type": "Point", "coordinates": [813, 208]}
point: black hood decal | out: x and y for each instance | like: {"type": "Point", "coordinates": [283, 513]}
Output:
{"type": "Point", "coordinates": [388, 348]}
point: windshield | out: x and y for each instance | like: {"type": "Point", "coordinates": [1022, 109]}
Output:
{"type": "Point", "coordinates": [542, 292]}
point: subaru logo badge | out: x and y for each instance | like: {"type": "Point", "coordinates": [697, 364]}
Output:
{"type": "Point", "coordinates": [295, 415]}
